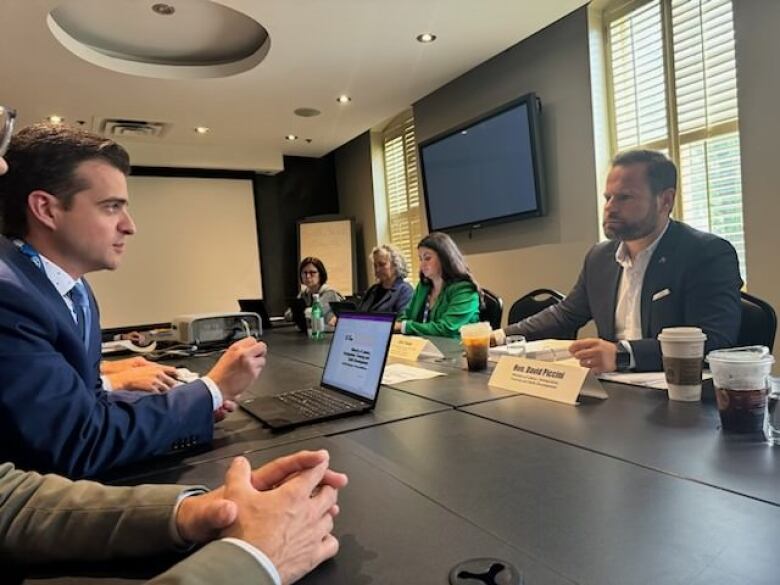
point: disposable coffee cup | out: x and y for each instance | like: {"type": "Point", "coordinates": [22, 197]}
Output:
{"type": "Point", "coordinates": [742, 384]}
{"type": "Point", "coordinates": [476, 341]}
{"type": "Point", "coordinates": [682, 349]}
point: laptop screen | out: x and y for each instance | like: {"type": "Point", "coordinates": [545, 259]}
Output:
{"type": "Point", "coordinates": [358, 352]}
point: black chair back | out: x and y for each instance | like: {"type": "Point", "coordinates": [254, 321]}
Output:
{"type": "Point", "coordinates": [535, 301]}
{"type": "Point", "coordinates": [759, 322]}
{"type": "Point", "coordinates": [492, 309]}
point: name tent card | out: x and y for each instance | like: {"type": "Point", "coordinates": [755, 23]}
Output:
{"type": "Point", "coordinates": [411, 348]}
{"type": "Point", "coordinates": [563, 381]}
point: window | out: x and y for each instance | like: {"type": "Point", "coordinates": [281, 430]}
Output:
{"type": "Point", "coordinates": [402, 188]}
{"type": "Point", "coordinates": [673, 88]}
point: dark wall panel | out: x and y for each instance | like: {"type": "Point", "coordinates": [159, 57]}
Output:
{"type": "Point", "coordinates": [306, 187]}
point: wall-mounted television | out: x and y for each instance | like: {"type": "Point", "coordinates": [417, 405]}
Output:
{"type": "Point", "coordinates": [486, 170]}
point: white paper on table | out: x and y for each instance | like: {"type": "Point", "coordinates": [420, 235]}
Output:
{"type": "Point", "coordinates": [548, 350]}
{"type": "Point", "coordinates": [397, 373]}
{"type": "Point", "coordinates": [646, 379]}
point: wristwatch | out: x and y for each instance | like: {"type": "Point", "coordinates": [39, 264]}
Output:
{"type": "Point", "coordinates": [622, 358]}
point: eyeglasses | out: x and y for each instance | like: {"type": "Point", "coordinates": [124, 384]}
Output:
{"type": "Point", "coordinates": [309, 272]}
{"type": "Point", "coordinates": [7, 117]}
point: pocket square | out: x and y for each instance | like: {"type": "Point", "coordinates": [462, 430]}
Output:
{"type": "Point", "coordinates": [661, 294]}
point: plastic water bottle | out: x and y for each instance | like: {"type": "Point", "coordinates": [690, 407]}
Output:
{"type": "Point", "coordinates": [317, 320]}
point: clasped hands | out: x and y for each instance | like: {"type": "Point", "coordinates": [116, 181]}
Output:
{"type": "Point", "coordinates": [285, 508]}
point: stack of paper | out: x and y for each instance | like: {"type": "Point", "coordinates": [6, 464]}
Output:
{"type": "Point", "coordinates": [548, 350]}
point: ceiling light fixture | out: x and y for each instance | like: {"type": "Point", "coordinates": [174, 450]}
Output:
{"type": "Point", "coordinates": [163, 9]}
{"type": "Point", "coordinates": [343, 99]}
{"type": "Point", "coordinates": [202, 129]}
{"type": "Point", "coordinates": [426, 38]}
{"type": "Point", "coordinates": [54, 119]}
{"type": "Point", "coordinates": [291, 137]}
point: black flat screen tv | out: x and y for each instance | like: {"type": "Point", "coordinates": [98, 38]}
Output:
{"type": "Point", "coordinates": [486, 170]}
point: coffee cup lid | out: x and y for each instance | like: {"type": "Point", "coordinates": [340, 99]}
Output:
{"type": "Point", "coordinates": [753, 354]}
{"type": "Point", "coordinates": [681, 334]}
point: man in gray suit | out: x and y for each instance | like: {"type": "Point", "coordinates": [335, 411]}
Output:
{"type": "Point", "coordinates": [253, 531]}
{"type": "Point", "coordinates": [268, 526]}
{"type": "Point", "coordinates": [653, 272]}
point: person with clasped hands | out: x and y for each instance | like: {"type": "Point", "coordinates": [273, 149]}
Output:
{"type": "Point", "coordinates": [653, 273]}
{"type": "Point", "coordinates": [64, 208]}
{"type": "Point", "coordinates": [447, 296]}
{"type": "Point", "coordinates": [268, 526]}
{"type": "Point", "coordinates": [391, 293]}
{"type": "Point", "coordinates": [275, 522]}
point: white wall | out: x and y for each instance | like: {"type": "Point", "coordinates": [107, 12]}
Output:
{"type": "Point", "coordinates": [195, 251]}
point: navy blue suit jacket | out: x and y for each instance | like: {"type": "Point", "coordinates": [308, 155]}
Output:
{"type": "Point", "coordinates": [692, 280]}
{"type": "Point", "coordinates": [54, 415]}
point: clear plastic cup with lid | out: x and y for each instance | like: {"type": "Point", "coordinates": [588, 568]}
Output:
{"type": "Point", "coordinates": [742, 380]}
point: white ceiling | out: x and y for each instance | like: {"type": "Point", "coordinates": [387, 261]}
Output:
{"type": "Point", "coordinates": [319, 49]}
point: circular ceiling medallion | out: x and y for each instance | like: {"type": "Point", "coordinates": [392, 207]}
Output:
{"type": "Point", "coordinates": [176, 40]}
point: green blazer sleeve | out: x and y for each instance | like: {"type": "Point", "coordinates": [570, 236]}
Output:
{"type": "Point", "coordinates": [457, 305]}
{"type": "Point", "coordinates": [218, 562]}
{"type": "Point", "coordinates": [49, 518]}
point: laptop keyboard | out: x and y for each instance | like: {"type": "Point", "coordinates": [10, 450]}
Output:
{"type": "Point", "coordinates": [315, 402]}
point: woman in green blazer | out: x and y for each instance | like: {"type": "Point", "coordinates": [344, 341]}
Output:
{"type": "Point", "coordinates": [446, 297]}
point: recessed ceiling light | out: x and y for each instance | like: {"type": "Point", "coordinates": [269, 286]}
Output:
{"type": "Point", "coordinates": [55, 119]}
{"type": "Point", "coordinates": [291, 137]}
{"type": "Point", "coordinates": [202, 129]}
{"type": "Point", "coordinates": [163, 9]}
{"type": "Point", "coordinates": [343, 99]}
{"type": "Point", "coordinates": [426, 38]}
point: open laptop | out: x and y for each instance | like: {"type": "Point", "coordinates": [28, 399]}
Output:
{"type": "Point", "coordinates": [339, 307]}
{"type": "Point", "coordinates": [256, 306]}
{"type": "Point", "coordinates": [350, 382]}
{"type": "Point", "coordinates": [298, 310]}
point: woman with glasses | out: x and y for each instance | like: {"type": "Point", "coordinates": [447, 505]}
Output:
{"type": "Point", "coordinates": [447, 296]}
{"type": "Point", "coordinates": [313, 278]}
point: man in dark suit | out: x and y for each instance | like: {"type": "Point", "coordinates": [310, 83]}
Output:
{"type": "Point", "coordinates": [652, 273]}
{"type": "Point", "coordinates": [273, 524]}
{"type": "Point", "coordinates": [64, 213]}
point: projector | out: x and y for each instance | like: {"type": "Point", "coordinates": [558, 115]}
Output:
{"type": "Point", "coordinates": [216, 327]}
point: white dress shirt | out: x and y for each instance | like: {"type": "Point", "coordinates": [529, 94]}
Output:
{"type": "Point", "coordinates": [64, 282]}
{"type": "Point", "coordinates": [628, 314]}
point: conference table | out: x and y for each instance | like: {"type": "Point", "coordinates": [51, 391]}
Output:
{"type": "Point", "coordinates": [634, 489]}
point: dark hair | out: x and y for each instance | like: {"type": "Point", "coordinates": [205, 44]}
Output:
{"type": "Point", "coordinates": [661, 172]}
{"type": "Point", "coordinates": [317, 264]}
{"type": "Point", "coordinates": [453, 265]}
{"type": "Point", "coordinates": [45, 157]}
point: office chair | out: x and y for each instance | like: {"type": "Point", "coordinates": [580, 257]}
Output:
{"type": "Point", "coordinates": [759, 322]}
{"type": "Point", "coordinates": [492, 310]}
{"type": "Point", "coordinates": [536, 301]}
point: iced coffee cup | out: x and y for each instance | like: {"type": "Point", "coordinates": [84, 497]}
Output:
{"type": "Point", "coordinates": [476, 341]}
{"type": "Point", "coordinates": [742, 382]}
{"type": "Point", "coordinates": [682, 349]}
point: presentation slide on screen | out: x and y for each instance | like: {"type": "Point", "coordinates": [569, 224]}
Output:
{"type": "Point", "coordinates": [357, 355]}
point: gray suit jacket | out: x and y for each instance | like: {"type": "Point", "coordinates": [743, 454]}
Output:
{"type": "Point", "coordinates": [700, 271]}
{"type": "Point", "coordinates": [45, 518]}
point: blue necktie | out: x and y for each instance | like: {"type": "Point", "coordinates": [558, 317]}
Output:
{"type": "Point", "coordinates": [78, 294]}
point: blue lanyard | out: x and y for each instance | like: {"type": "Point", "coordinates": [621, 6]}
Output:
{"type": "Point", "coordinates": [30, 252]}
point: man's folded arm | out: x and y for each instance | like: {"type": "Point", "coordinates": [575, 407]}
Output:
{"type": "Point", "coordinates": [560, 319]}
{"type": "Point", "coordinates": [217, 562]}
{"type": "Point", "coordinates": [46, 518]}
{"type": "Point", "coordinates": [50, 420]}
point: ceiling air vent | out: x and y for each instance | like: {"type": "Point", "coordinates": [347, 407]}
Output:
{"type": "Point", "coordinates": [116, 128]}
